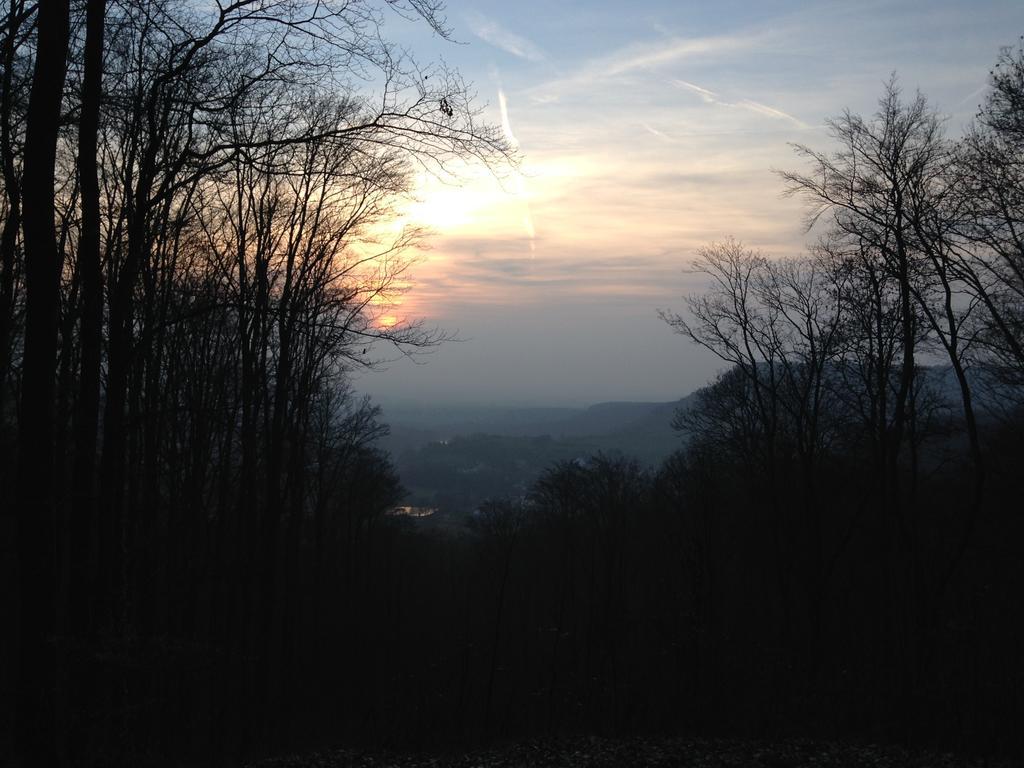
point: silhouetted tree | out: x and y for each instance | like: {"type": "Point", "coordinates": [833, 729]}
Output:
{"type": "Point", "coordinates": [205, 259]}
{"type": "Point", "coordinates": [990, 211]}
{"type": "Point", "coordinates": [37, 488]}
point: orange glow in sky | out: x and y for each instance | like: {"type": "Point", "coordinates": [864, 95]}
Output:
{"type": "Point", "coordinates": [643, 136]}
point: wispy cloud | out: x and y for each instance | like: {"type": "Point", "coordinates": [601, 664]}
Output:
{"type": "Point", "coordinates": [710, 97]}
{"type": "Point", "coordinates": [506, 125]}
{"type": "Point", "coordinates": [492, 32]}
{"type": "Point", "coordinates": [520, 181]}
{"type": "Point", "coordinates": [646, 56]}
{"type": "Point", "coordinates": [656, 132]}
{"type": "Point", "coordinates": [704, 93]}
{"type": "Point", "coordinates": [496, 270]}
{"type": "Point", "coordinates": [649, 55]}
{"type": "Point", "coordinates": [764, 109]}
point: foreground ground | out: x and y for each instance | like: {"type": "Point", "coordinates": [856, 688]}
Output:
{"type": "Point", "coordinates": [683, 752]}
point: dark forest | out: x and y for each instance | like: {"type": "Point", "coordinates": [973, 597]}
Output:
{"type": "Point", "coordinates": [201, 556]}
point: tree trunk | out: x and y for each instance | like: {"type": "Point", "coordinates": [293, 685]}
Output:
{"type": "Point", "coordinates": [37, 529]}
{"type": "Point", "coordinates": [11, 227]}
{"type": "Point", "coordinates": [87, 406]}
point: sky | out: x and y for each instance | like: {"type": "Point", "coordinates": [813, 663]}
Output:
{"type": "Point", "coordinates": [646, 129]}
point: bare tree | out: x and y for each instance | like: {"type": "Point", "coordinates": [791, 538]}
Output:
{"type": "Point", "coordinates": [207, 259]}
{"type": "Point", "coordinates": [989, 207]}
{"type": "Point", "coordinates": [866, 188]}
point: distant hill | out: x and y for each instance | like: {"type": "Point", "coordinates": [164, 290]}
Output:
{"type": "Point", "coordinates": [635, 428]}
{"type": "Point", "coordinates": [415, 426]}
{"type": "Point", "coordinates": [455, 458]}
{"type": "Point", "coordinates": [641, 430]}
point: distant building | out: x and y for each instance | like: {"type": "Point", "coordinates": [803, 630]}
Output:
{"type": "Point", "coordinates": [412, 511]}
